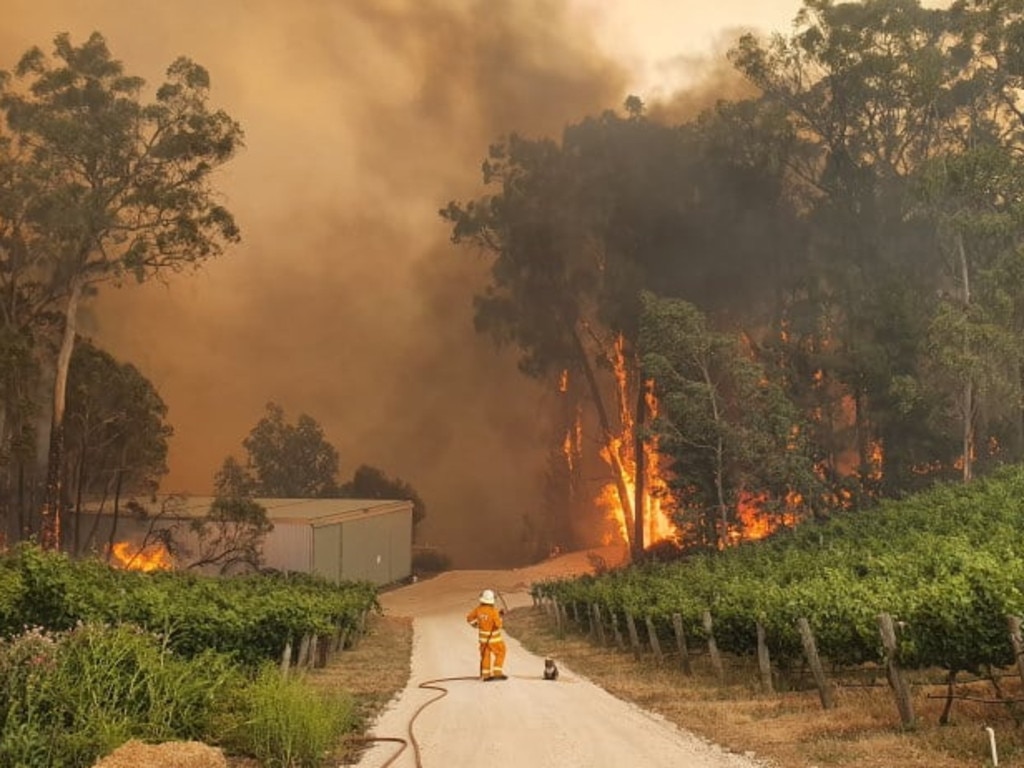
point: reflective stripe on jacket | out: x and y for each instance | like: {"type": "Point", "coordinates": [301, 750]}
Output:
{"type": "Point", "coordinates": [487, 621]}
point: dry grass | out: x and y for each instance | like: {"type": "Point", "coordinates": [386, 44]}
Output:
{"type": "Point", "coordinates": [373, 672]}
{"type": "Point", "coordinates": [791, 729]}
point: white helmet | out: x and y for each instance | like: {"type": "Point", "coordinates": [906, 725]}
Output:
{"type": "Point", "coordinates": [487, 597]}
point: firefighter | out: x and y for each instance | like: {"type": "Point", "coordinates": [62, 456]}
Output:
{"type": "Point", "coordinates": [487, 620]}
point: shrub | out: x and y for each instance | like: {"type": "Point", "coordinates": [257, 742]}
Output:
{"type": "Point", "coordinates": [284, 723]}
{"type": "Point", "coordinates": [67, 699]}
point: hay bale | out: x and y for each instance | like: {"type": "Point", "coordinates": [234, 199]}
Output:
{"type": "Point", "coordinates": [171, 754]}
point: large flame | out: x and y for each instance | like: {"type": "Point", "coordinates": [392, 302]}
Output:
{"type": "Point", "coordinates": [152, 557]}
{"type": "Point", "coordinates": [754, 522]}
{"type": "Point", "coordinates": [657, 499]}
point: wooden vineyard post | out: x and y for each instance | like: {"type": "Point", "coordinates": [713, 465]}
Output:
{"type": "Point", "coordinates": [558, 617]}
{"type": "Point", "coordinates": [286, 658]}
{"type": "Point", "coordinates": [1018, 644]}
{"type": "Point", "coordinates": [716, 658]}
{"type": "Point", "coordinates": [684, 652]}
{"type": "Point", "coordinates": [576, 614]}
{"type": "Point", "coordinates": [634, 638]}
{"type": "Point", "coordinates": [311, 656]}
{"type": "Point", "coordinates": [764, 661]}
{"type": "Point", "coordinates": [600, 625]}
{"type": "Point", "coordinates": [887, 630]}
{"type": "Point", "coordinates": [360, 630]}
{"type": "Point", "coordinates": [303, 651]}
{"type": "Point", "coordinates": [811, 652]}
{"type": "Point", "coordinates": [652, 637]}
{"type": "Point", "coordinates": [619, 642]}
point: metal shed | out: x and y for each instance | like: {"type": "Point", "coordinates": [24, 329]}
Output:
{"type": "Point", "coordinates": [339, 539]}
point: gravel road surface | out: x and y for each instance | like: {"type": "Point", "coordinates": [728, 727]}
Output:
{"type": "Point", "coordinates": [524, 721]}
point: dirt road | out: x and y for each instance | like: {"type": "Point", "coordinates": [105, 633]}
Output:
{"type": "Point", "coordinates": [525, 721]}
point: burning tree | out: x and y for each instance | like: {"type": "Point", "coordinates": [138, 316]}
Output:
{"type": "Point", "coordinates": [564, 288]}
{"type": "Point", "coordinates": [734, 438]}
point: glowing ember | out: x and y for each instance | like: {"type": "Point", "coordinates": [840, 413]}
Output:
{"type": "Point", "coordinates": [753, 522]}
{"type": "Point", "coordinates": [152, 557]}
{"type": "Point", "coordinates": [876, 457]}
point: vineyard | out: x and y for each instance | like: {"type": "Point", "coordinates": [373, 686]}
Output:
{"type": "Point", "coordinates": [92, 656]}
{"type": "Point", "coordinates": [251, 618]}
{"type": "Point", "coordinates": [947, 566]}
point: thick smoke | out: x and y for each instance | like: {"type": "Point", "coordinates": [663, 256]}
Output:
{"type": "Point", "coordinates": [346, 300]}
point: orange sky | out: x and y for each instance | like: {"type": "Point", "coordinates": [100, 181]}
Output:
{"type": "Point", "coordinates": [345, 300]}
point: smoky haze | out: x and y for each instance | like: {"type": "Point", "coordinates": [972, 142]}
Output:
{"type": "Point", "coordinates": [345, 300]}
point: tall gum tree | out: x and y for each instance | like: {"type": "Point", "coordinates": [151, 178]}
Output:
{"type": "Point", "coordinates": [724, 422]}
{"type": "Point", "coordinates": [110, 187]}
{"type": "Point", "coordinates": [116, 435]}
{"type": "Point", "coordinates": [872, 88]}
{"type": "Point", "coordinates": [545, 275]}
{"type": "Point", "coordinates": [578, 228]}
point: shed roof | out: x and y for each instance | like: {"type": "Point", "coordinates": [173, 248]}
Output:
{"type": "Point", "coordinates": [313, 512]}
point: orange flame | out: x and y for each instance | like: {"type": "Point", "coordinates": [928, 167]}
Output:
{"type": "Point", "coordinates": [657, 500]}
{"type": "Point", "coordinates": [876, 457]}
{"type": "Point", "coordinates": [152, 557]}
{"type": "Point", "coordinates": [753, 522]}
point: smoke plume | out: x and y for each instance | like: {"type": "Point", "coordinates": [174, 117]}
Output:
{"type": "Point", "coordinates": [346, 300]}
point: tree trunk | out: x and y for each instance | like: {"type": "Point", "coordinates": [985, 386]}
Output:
{"type": "Point", "coordinates": [723, 507]}
{"type": "Point", "coordinates": [23, 522]}
{"type": "Point", "coordinates": [641, 472]}
{"type": "Point", "coordinates": [116, 516]}
{"type": "Point", "coordinates": [77, 521]}
{"type": "Point", "coordinates": [609, 436]}
{"type": "Point", "coordinates": [968, 394]}
{"type": "Point", "coordinates": [49, 523]}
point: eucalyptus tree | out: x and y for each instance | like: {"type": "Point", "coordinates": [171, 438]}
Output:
{"type": "Point", "coordinates": [19, 382]}
{"type": "Point", "coordinates": [873, 87]}
{"type": "Point", "coordinates": [106, 187]}
{"type": "Point", "coordinates": [372, 483]}
{"type": "Point", "coordinates": [117, 433]}
{"type": "Point", "coordinates": [727, 426]}
{"type": "Point", "coordinates": [578, 228]}
{"type": "Point", "coordinates": [282, 460]}
{"type": "Point", "coordinates": [989, 38]}
{"type": "Point", "coordinates": [546, 275]}
{"type": "Point", "coordinates": [976, 201]}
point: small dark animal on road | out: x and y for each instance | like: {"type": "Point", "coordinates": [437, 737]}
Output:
{"type": "Point", "coordinates": [550, 669]}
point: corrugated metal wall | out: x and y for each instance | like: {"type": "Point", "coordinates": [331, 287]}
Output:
{"type": "Point", "coordinates": [377, 548]}
{"type": "Point", "coordinates": [289, 547]}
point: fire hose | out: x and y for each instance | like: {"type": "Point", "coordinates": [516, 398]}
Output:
{"type": "Point", "coordinates": [429, 685]}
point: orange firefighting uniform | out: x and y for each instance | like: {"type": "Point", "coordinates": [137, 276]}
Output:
{"type": "Point", "coordinates": [487, 621]}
